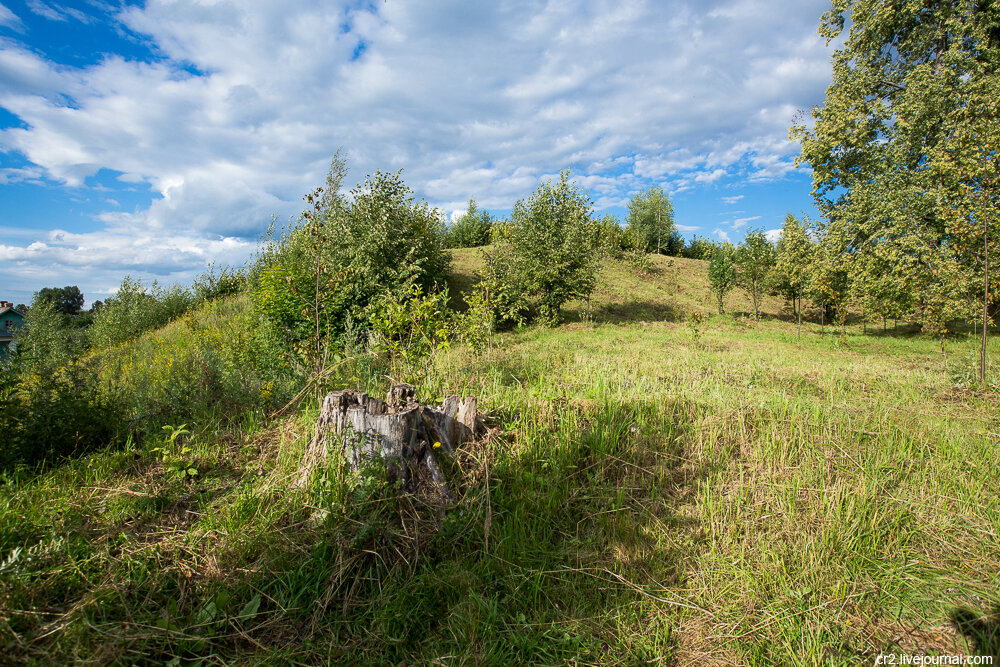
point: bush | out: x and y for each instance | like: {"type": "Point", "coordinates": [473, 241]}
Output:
{"type": "Point", "coordinates": [134, 310]}
{"type": "Point", "coordinates": [338, 261]}
{"type": "Point", "coordinates": [54, 415]}
{"type": "Point", "coordinates": [471, 230]}
{"type": "Point", "coordinates": [211, 285]}
{"type": "Point", "coordinates": [610, 239]}
{"type": "Point", "coordinates": [215, 361]}
{"type": "Point", "coordinates": [543, 257]}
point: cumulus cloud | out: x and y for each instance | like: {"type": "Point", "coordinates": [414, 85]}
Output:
{"type": "Point", "coordinates": [773, 235]}
{"type": "Point", "coordinates": [239, 114]}
{"type": "Point", "coordinates": [721, 234]}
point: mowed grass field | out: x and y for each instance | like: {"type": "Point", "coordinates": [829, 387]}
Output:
{"type": "Point", "coordinates": [651, 493]}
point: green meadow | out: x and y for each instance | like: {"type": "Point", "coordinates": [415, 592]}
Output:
{"type": "Point", "coordinates": [655, 488]}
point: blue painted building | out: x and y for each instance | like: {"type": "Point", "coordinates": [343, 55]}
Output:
{"type": "Point", "coordinates": [10, 320]}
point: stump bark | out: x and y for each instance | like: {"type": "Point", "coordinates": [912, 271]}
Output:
{"type": "Point", "coordinates": [399, 431]}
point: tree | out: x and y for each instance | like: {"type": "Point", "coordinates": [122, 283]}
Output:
{"type": "Point", "coordinates": [699, 248]}
{"type": "Point", "coordinates": [45, 342]}
{"type": "Point", "coordinates": [544, 256]}
{"type": "Point", "coordinates": [346, 256]}
{"type": "Point", "coordinates": [754, 260]}
{"type": "Point", "coordinates": [609, 238]}
{"type": "Point", "coordinates": [471, 230]}
{"type": "Point", "coordinates": [971, 157]}
{"type": "Point", "coordinates": [67, 300]}
{"type": "Point", "coordinates": [651, 220]}
{"type": "Point", "coordinates": [887, 154]}
{"type": "Point", "coordinates": [793, 255]}
{"type": "Point", "coordinates": [722, 273]}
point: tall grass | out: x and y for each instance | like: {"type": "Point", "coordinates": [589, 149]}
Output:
{"type": "Point", "coordinates": [649, 494]}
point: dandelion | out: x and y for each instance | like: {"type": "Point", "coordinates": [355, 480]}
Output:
{"type": "Point", "coordinates": [436, 445]}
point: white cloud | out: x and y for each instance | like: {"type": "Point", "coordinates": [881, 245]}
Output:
{"type": "Point", "coordinates": [739, 223]}
{"type": "Point", "coordinates": [721, 235]}
{"type": "Point", "coordinates": [773, 235]}
{"type": "Point", "coordinates": [472, 99]}
{"type": "Point", "coordinates": [732, 200]}
{"type": "Point", "coordinates": [687, 228]}
{"type": "Point", "coordinates": [9, 19]}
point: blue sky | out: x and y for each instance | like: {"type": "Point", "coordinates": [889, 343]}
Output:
{"type": "Point", "coordinates": [152, 138]}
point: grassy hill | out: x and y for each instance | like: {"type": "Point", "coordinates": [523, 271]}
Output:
{"type": "Point", "coordinates": [669, 288]}
{"type": "Point", "coordinates": [653, 493]}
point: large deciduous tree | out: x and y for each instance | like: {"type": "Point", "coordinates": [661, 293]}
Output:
{"type": "Point", "coordinates": [887, 151]}
{"type": "Point", "coordinates": [67, 300]}
{"type": "Point", "coordinates": [651, 221]}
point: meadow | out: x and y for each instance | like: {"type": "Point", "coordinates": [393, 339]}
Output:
{"type": "Point", "coordinates": [655, 489]}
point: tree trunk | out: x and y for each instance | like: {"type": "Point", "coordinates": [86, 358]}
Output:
{"type": "Point", "coordinates": [406, 436]}
{"type": "Point", "coordinates": [986, 297]}
{"type": "Point", "coordinates": [800, 314]}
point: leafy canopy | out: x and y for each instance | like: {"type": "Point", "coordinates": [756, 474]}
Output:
{"type": "Point", "coordinates": [651, 222]}
{"type": "Point", "coordinates": [545, 255]}
{"type": "Point", "coordinates": [891, 169]}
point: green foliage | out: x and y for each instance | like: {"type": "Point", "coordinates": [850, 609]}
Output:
{"type": "Point", "coordinates": [213, 284]}
{"type": "Point", "coordinates": [722, 273]}
{"type": "Point", "coordinates": [793, 256]}
{"type": "Point", "coordinates": [134, 310]}
{"type": "Point", "coordinates": [471, 230]}
{"type": "Point", "coordinates": [754, 259]}
{"type": "Point", "coordinates": [220, 359]}
{"type": "Point", "coordinates": [610, 239]}
{"type": "Point", "coordinates": [651, 222]}
{"type": "Point", "coordinates": [410, 328]}
{"type": "Point", "coordinates": [337, 263]}
{"type": "Point", "coordinates": [827, 278]}
{"type": "Point", "coordinates": [53, 410]}
{"type": "Point", "coordinates": [544, 256]}
{"type": "Point", "coordinates": [45, 341]}
{"type": "Point", "coordinates": [897, 168]}
{"type": "Point", "coordinates": [67, 300]}
{"type": "Point", "coordinates": [699, 248]}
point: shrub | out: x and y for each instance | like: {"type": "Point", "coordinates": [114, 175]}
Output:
{"type": "Point", "coordinates": [211, 285]}
{"type": "Point", "coordinates": [610, 240]}
{"type": "Point", "coordinates": [338, 261]}
{"type": "Point", "coordinates": [134, 310]}
{"type": "Point", "coordinates": [471, 230]}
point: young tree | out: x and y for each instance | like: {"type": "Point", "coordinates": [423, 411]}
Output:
{"type": "Point", "coordinates": [609, 238]}
{"type": "Point", "coordinates": [722, 273]}
{"type": "Point", "coordinates": [343, 256]}
{"type": "Point", "coordinates": [651, 220]}
{"type": "Point", "coordinates": [471, 230]}
{"type": "Point", "coordinates": [793, 255]}
{"type": "Point", "coordinates": [546, 251]}
{"type": "Point", "coordinates": [754, 260]}
{"type": "Point", "coordinates": [885, 148]}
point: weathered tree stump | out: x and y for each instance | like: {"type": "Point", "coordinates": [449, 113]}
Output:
{"type": "Point", "coordinates": [404, 434]}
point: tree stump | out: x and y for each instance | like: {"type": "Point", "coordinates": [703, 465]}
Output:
{"type": "Point", "coordinates": [404, 434]}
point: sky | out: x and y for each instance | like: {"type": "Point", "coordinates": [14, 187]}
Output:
{"type": "Point", "coordinates": [153, 138]}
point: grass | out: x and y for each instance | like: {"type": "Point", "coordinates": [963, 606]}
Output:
{"type": "Point", "coordinates": [650, 494]}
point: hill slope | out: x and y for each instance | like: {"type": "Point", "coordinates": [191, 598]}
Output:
{"type": "Point", "coordinates": [668, 289]}
{"type": "Point", "coordinates": [652, 492]}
